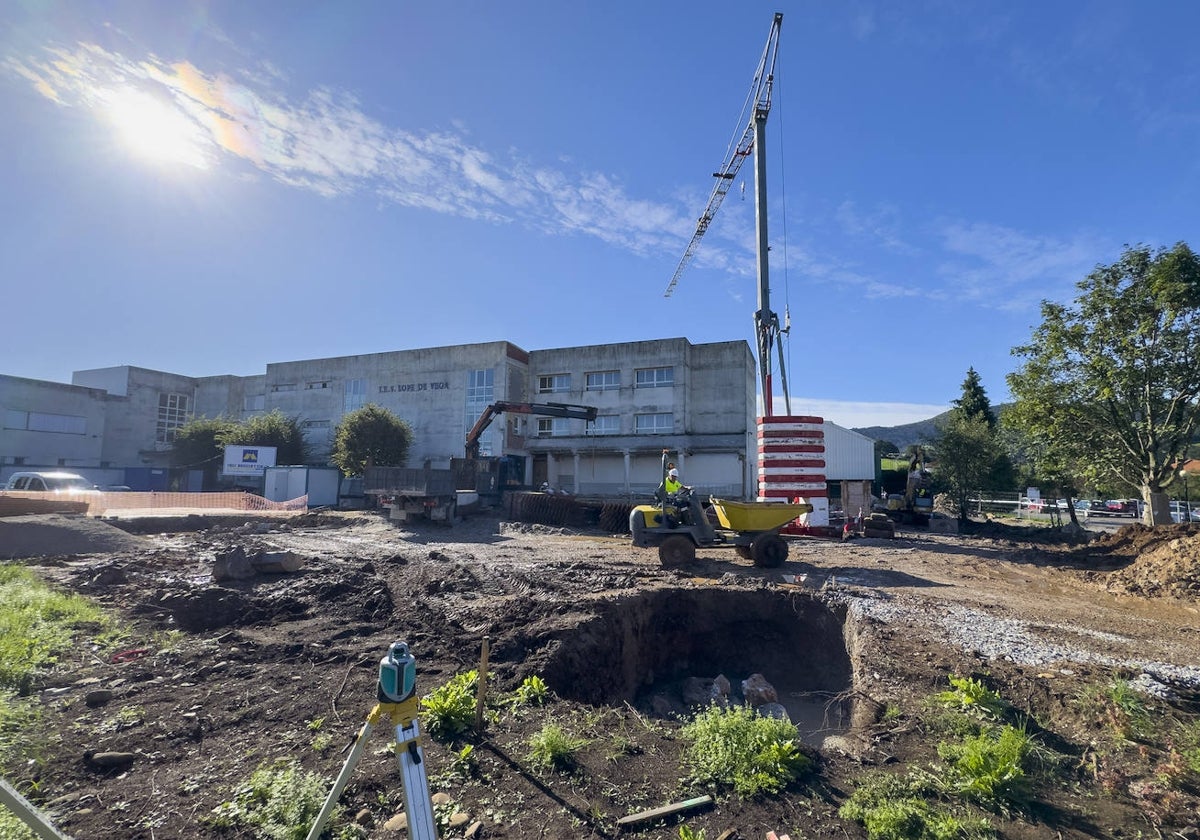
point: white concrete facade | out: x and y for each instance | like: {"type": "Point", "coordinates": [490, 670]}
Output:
{"type": "Point", "coordinates": [695, 400]}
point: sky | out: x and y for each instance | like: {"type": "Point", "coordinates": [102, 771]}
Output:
{"type": "Point", "coordinates": [208, 187]}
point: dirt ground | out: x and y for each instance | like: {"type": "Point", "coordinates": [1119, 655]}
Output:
{"type": "Point", "coordinates": [217, 678]}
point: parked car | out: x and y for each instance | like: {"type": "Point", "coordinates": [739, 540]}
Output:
{"type": "Point", "coordinates": [49, 482]}
{"type": "Point", "coordinates": [1184, 512]}
{"type": "Point", "coordinates": [1121, 506]}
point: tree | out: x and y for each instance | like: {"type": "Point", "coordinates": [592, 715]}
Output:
{"type": "Point", "coordinates": [974, 401]}
{"type": "Point", "coordinates": [273, 429]}
{"type": "Point", "coordinates": [1111, 383]}
{"type": "Point", "coordinates": [370, 433]}
{"type": "Point", "coordinates": [198, 446]}
{"type": "Point", "coordinates": [967, 452]}
{"type": "Point", "coordinates": [885, 447]}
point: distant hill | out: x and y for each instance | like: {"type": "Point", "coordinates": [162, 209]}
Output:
{"type": "Point", "coordinates": [911, 434]}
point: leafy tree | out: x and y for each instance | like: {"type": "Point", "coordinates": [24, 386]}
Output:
{"type": "Point", "coordinates": [198, 446]}
{"type": "Point", "coordinates": [273, 429]}
{"type": "Point", "coordinates": [885, 447]}
{"type": "Point", "coordinates": [1111, 383]}
{"type": "Point", "coordinates": [967, 452]}
{"type": "Point", "coordinates": [370, 433]}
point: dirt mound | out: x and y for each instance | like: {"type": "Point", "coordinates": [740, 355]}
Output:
{"type": "Point", "coordinates": [55, 535]}
{"type": "Point", "coordinates": [1167, 561]}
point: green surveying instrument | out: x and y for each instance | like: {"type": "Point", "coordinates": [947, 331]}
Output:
{"type": "Point", "coordinates": [398, 701]}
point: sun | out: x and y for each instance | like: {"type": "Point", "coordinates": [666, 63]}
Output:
{"type": "Point", "coordinates": [157, 130]}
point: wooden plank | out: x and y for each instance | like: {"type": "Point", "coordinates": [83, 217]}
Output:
{"type": "Point", "coordinates": [665, 810]}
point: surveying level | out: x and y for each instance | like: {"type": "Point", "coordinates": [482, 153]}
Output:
{"type": "Point", "coordinates": [398, 700]}
{"type": "Point", "coordinates": [397, 674]}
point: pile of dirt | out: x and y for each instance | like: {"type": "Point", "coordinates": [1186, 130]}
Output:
{"type": "Point", "coordinates": [56, 535]}
{"type": "Point", "coordinates": [1167, 563]}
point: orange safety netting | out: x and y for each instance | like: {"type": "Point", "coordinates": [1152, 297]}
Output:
{"type": "Point", "coordinates": [101, 503]}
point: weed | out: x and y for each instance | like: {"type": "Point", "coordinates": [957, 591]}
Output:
{"type": "Point", "coordinates": [686, 832]}
{"type": "Point", "coordinates": [1118, 707]}
{"type": "Point", "coordinates": [972, 696]}
{"type": "Point", "coordinates": [126, 717]}
{"type": "Point", "coordinates": [895, 807]}
{"type": "Point", "coordinates": [13, 828]}
{"type": "Point", "coordinates": [991, 767]}
{"type": "Point", "coordinates": [1187, 741]}
{"type": "Point", "coordinates": [623, 745]}
{"type": "Point", "coordinates": [739, 748]}
{"type": "Point", "coordinates": [321, 742]}
{"type": "Point", "coordinates": [891, 713]}
{"type": "Point", "coordinates": [449, 710]}
{"type": "Point", "coordinates": [279, 802]}
{"type": "Point", "coordinates": [463, 763]}
{"type": "Point", "coordinates": [532, 691]}
{"type": "Point", "coordinates": [315, 724]}
{"type": "Point", "coordinates": [554, 747]}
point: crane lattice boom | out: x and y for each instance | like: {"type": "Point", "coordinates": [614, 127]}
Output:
{"type": "Point", "coordinates": [736, 153]}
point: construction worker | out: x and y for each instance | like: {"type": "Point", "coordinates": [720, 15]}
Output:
{"type": "Point", "coordinates": [672, 485]}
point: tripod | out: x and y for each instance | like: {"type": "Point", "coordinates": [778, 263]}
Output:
{"type": "Point", "coordinates": [397, 702]}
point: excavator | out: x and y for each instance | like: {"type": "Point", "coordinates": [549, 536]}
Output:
{"type": "Point", "coordinates": [444, 494]}
{"type": "Point", "coordinates": [915, 505]}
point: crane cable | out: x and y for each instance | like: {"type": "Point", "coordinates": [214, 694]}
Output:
{"type": "Point", "coordinates": [787, 324]}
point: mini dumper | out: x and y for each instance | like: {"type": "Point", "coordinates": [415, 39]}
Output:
{"type": "Point", "coordinates": [678, 525]}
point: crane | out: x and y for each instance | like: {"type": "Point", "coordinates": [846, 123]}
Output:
{"type": "Point", "coordinates": [576, 412]}
{"type": "Point", "coordinates": [752, 141]}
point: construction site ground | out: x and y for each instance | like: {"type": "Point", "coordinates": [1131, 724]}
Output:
{"type": "Point", "coordinates": [214, 679]}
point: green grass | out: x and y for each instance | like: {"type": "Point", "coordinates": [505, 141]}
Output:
{"type": "Point", "coordinates": [449, 710]}
{"type": "Point", "coordinates": [893, 807]}
{"type": "Point", "coordinates": [1119, 708]}
{"type": "Point", "coordinates": [738, 748]}
{"type": "Point", "coordinates": [37, 625]}
{"type": "Point", "coordinates": [555, 747]}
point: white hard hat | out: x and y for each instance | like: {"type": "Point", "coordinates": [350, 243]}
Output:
{"type": "Point", "coordinates": [673, 473]}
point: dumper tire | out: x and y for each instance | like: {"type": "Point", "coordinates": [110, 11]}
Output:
{"type": "Point", "coordinates": [676, 550]}
{"type": "Point", "coordinates": [769, 550]}
{"type": "Point", "coordinates": [743, 551]}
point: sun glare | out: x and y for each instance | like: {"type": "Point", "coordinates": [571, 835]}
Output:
{"type": "Point", "coordinates": [156, 130]}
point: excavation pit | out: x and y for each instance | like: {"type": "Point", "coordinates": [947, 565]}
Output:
{"type": "Point", "coordinates": [660, 651]}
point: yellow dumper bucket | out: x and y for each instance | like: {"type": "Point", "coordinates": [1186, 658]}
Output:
{"type": "Point", "coordinates": [757, 516]}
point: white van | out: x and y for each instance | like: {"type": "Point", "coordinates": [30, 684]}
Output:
{"type": "Point", "coordinates": [50, 482]}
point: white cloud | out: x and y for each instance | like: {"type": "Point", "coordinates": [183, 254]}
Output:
{"type": "Point", "coordinates": [325, 143]}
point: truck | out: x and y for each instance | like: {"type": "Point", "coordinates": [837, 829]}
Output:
{"type": "Point", "coordinates": [444, 494]}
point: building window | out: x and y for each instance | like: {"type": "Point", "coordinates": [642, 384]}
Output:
{"type": "Point", "coordinates": [315, 386]}
{"type": "Point", "coordinates": [315, 424]}
{"type": "Point", "coordinates": [172, 416]}
{"type": "Point", "coordinates": [654, 424]}
{"type": "Point", "coordinates": [605, 424]}
{"type": "Point", "coordinates": [254, 402]}
{"type": "Point", "coordinates": [554, 383]}
{"type": "Point", "coordinates": [481, 388]}
{"type": "Point", "coordinates": [660, 377]}
{"type": "Point", "coordinates": [286, 386]}
{"type": "Point", "coordinates": [37, 421]}
{"type": "Point", "coordinates": [552, 426]}
{"type": "Point", "coordinates": [354, 395]}
{"type": "Point", "coordinates": [604, 380]}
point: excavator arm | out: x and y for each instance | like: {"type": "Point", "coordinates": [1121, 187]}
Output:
{"type": "Point", "coordinates": [575, 412]}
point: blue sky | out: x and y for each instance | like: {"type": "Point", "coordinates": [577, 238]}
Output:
{"type": "Point", "coordinates": [208, 187]}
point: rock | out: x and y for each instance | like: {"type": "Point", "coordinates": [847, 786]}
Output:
{"type": "Point", "coordinates": [97, 697]}
{"type": "Point", "coordinates": [397, 823]}
{"type": "Point", "coordinates": [363, 817]}
{"type": "Point", "coordinates": [774, 710]}
{"type": "Point", "coordinates": [232, 565]}
{"type": "Point", "coordinates": [458, 818]}
{"type": "Point", "coordinates": [276, 562]}
{"type": "Point", "coordinates": [110, 760]}
{"type": "Point", "coordinates": [472, 830]}
{"type": "Point", "coordinates": [696, 692]}
{"type": "Point", "coordinates": [757, 691]}
{"type": "Point", "coordinates": [440, 798]}
{"type": "Point", "coordinates": [720, 690]}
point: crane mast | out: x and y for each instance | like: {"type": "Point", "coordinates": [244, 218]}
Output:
{"type": "Point", "coordinates": [752, 141]}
